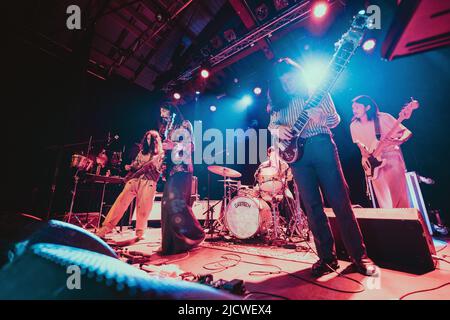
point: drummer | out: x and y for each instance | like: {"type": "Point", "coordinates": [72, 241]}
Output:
{"type": "Point", "coordinates": [275, 161]}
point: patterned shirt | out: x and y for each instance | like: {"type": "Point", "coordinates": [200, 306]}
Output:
{"type": "Point", "coordinates": [152, 173]}
{"type": "Point", "coordinates": [180, 158]}
{"type": "Point", "coordinates": [290, 114]}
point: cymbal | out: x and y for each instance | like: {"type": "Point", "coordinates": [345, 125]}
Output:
{"type": "Point", "coordinates": [224, 171]}
{"type": "Point", "coordinates": [229, 180]}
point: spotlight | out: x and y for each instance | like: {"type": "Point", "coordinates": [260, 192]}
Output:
{"type": "Point", "coordinates": [177, 96]}
{"type": "Point", "coordinates": [257, 91]}
{"type": "Point", "coordinates": [213, 108]}
{"type": "Point", "coordinates": [245, 101]}
{"type": "Point", "coordinates": [369, 45]}
{"type": "Point", "coordinates": [320, 9]}
{"type": "Point", "coordinates": [314, 73]}
{"type": "Point", "coordinates": [204, 73]}
{"type": "Point", "coordinates": [197, 92]}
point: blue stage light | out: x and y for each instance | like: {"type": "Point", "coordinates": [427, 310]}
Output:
{"type": "Point", "coordinates": [245, 101]}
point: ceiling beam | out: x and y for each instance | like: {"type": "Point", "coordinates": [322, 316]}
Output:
{"type": "Point", "coordinates": [244, 13]}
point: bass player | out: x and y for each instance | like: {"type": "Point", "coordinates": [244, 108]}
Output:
{"type": "Point", "coordinates": [318, 170]}
{"type": "Point", "coordinates": [368, 126]}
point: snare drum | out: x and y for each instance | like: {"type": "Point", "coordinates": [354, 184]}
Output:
{"type": "Point", "coordinates": [247, 217]}
{"type": "Point", "coordinates": [247, 191]}
{"type": "Point", "coordinates": [81, 162]}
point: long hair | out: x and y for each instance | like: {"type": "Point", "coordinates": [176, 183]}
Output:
{"type": "Point", "coordinates": [277, 97]}
{"type": "Point", "coordinates": [373, 111]}
{"type": "Point", "coordinates": [155, 146]}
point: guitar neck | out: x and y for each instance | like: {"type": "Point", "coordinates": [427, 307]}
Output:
{"type": "Point", "coordinates": [384, 138]}
{"type": "Point", "coordinates": [337, 65]}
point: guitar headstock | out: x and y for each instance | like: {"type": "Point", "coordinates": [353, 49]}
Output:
{"type": "Point", "coordinates": [408, 109]}
{"type": "Point", "coordinates": [353, 37]}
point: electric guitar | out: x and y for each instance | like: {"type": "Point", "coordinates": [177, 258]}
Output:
{"type": "Point", "coordinates": [291, 150]}
{"type": "Point", "coordinates": [372, 162]}
{"type": "Point", "coordinates": [155, 163]}
{"type": "Point", "coordinates": [164, 132]}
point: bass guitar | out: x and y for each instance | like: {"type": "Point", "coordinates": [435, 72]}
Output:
{"type": "Point", "coordinates": [372, 160]}
{"type": "Point", "coordinates": [290, 150]}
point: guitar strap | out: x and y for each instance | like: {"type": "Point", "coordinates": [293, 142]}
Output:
{"type": "Point", "coordinates": [377, 127]}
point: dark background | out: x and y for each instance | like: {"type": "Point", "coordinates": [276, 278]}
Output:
{"type": "Point", "coordinates": [48, 103]}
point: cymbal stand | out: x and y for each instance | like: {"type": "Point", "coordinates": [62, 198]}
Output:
{"type": "Point", "coordinates": [210, 223]}
{"type": "Point", "coordinates": [298, 223]}
{"type": "Point", "coordinates": [72, 202]}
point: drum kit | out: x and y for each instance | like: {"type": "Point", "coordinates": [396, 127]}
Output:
{"type": "Point", "coordinates": [253, 212]}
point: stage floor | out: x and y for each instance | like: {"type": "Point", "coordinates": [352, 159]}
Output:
{"type": "Point", "coordinates": [284, 272]}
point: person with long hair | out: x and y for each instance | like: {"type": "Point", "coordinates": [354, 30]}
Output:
{"type": "Point", "coordinates": [180, 229]}
{"type": "Point", "coordinates": [319, 171]}
{"type": "Point", "coordinates": [142, 187]}
{"type": "Point", "coordinates": [390, 185]}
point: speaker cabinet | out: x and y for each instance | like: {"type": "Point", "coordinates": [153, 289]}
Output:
{"type": "Point", "coordinates": [395, 238]}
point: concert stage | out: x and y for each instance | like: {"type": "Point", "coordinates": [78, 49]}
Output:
{"type": "Point", "coordinates": [278, 273]}
{"type": "Point", "coordinates": [266, 122]}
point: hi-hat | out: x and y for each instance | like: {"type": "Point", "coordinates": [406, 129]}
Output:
{"type": "Point", "coordinates": [225, 172]}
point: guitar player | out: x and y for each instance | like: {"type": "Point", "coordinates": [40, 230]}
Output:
{"type": "Point", "coordinates": [141, 187]}
{"type": "Point", "coordinates": [367, 127]}
{"type": "Point", "coordinates": [319, 170]}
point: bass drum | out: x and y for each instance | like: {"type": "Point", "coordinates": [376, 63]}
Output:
{"type": "Point", "coordinates": [247, 217]}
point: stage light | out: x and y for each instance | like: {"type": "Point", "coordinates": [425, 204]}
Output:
{"type": "Point", "coordinates": [257, 91]}
{"type": "Point", "coordinates": [320, 9]}
{"type": "Point", "coordinates": [369, 45]}
{"type": "Point", "coordinates": [361, 12]}
{"type": "Point", "coordinates": [314, 72]}
{"type": "Point", "coordinates": [197, 92]}
{"type": "Point", "coordinates": [177, 96]}
{"type": "Point", "coordinates": [245, 101]}
{"type": "Point", "coordinates": [213, 108]}
{"type": "Point", "coordinates": [204, 73]}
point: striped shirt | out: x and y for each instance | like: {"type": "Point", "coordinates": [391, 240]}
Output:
{"type": "Point", "coordinates": [290, 114]}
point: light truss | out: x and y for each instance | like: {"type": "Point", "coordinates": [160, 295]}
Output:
{"type": "Point", "coordinates": [297, 13]}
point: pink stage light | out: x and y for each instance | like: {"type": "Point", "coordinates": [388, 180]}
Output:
{"type": "Point", "coordinates": [204, 73]}
{"type": "Point", "coordinates": [320, 9]}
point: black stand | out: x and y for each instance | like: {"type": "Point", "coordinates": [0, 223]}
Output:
{"type": "Point", "coordinates": [209, 223]}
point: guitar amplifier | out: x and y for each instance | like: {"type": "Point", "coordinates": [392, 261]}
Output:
{"type": "Point", "coordinates": [395, 238]}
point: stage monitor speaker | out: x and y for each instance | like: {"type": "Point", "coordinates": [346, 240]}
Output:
{"type": "Point", "coordinates": [19, 231]}
{"type": "Point", "coordinates": [395, 238]}
{"type": "Point", "coordinates": [53, 271]}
